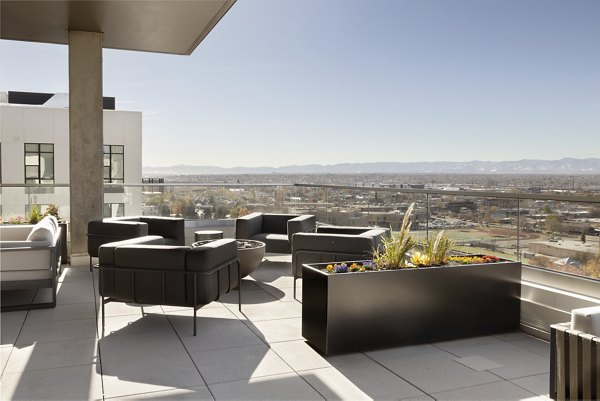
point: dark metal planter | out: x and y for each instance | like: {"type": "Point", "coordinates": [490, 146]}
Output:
{"type": "Point", "coordinates": [358, 311]}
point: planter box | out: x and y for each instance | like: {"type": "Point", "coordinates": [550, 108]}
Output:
{"type": "Point", "coordinates": [359, 311]}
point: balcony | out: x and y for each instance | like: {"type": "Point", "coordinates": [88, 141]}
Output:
{"type": "Point", "coordinates": [148, 352]}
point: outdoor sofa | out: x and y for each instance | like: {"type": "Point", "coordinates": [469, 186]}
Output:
{"type": "Point", "coordinates": [172, 229]}
{"type": "Point", "coordinates": [275, 230]}
{"type": "Point", "coordinates": [334, 244]}
{"type": "Point", "coordinates": [30, 258]}
{"type": "Point", "coordinates": [144, 271]}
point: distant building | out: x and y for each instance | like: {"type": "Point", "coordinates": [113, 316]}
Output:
{"type": "Point", "coordinates": [34, 149]}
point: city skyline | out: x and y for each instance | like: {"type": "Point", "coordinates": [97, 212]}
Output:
{"type": "Point", "coordinates": [283, 83]}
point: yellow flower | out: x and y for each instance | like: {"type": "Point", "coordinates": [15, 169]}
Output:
{"type": "Point", "coordinates": [329, 268]}
{"type": "Point", "coordinates": [420, 259]}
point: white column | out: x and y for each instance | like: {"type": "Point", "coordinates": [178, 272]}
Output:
{"type": "Point", "coordinates": [85, 135]}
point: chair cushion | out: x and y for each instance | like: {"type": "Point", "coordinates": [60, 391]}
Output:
{"type": "Point", "coordinates": [44, 230]}
{"type": "Point", "coordinates": [276, 223]}
{"type": "Point", "coordinates": [161, 257]}
{"type": "Point", "coordinates": [586, 320]}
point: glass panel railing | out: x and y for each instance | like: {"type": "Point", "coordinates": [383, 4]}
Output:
{"type": "Point", "coordinates": [543, 230]}
{"type": "Point", "coordinates": [18, 201]}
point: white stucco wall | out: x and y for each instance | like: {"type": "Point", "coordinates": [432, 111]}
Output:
{"type": "Point", "coordinates": [20, 124]}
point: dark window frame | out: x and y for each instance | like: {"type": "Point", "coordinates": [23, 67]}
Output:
{"type": "Point", "coordinates": [38, 153]}
{"type": "Point", "coordinates": [110, 150]}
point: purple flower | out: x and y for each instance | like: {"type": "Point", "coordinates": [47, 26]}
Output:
{"type": "Point", "coordinates": [341, 268]}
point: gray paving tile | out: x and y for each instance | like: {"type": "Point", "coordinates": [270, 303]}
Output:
{"type": "Point", "coordinates": [154, 373]}
{"type": "Point", "coordinates": [281, 294]}
{"type": "Point", "coordinates": [76, 292]}
{"type": "Point", "coordinates": [71, 274]}
{"type": "Point", "coordinates": [14, 318]}
{"type": "Point", "coordinates": [477, 363]}
{"type": "Point", "coordinates": [498, 391]}
{"type": "Point", "coordinates": [333, 385]}
{"type": "Point", "coordinates": [369, 377]}
{"type": "Point", "coordinates": [56, 331]}
{"type": "Point", "coordinates": [402, 352]}
{"type": "Point", "coordinates": [191, 394]}
{"type": "Point", "coordinates": [62, 313]}
{"type": "Point", "coordinates": [124, 309]}
{"type": "Point", "coordinates": [268, 311]}
{"type": "Point", "coordinates": [4, 354]}
{"type": "Point", "coordinates": [81, 382]}
{"type": "Point", "coordinates": [287, 386]}
{"type": "Point", "coordinates": [536, 345]}
{"type": "Point", "coordinates": [516, 362]}
{"type": "Point", "coordinates": [152, 343]}
{"type": "Point", "coordinates": [538, 384]}
{"type": "Point", "coordinates": [135, 324]}
{"type": "Point", "coordinates": [456, 345]}
{"type": "Point", "coordinates": [436, 371]}
{"type": "Point", "coordinates": [57, 354]}
{"type": "Point", "coordinates": [213, 332]}
{"type": "Point", "coordinates": [9, 334]}
{"type": "Point", "coordinates": [278, 330]}
{"type": "Point", "coordinates": [299, 355]}
{"type": "Point", "coordinates": [250, 297]}
{"type": "Point", "coordinates": [231, 364]}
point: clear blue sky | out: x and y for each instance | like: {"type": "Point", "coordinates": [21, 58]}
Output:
{"type": "Point", "coordinates": [281, 82]}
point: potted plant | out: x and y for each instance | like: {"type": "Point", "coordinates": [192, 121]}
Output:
{"type": "Point", "coordinates": [399, 298]}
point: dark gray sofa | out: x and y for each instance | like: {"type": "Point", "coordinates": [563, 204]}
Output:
{"type": "Point", "coordinates": [334, 244]}
{"type": "Point", "coordinates": [275, 230]}
{"type": "Point", "coordinates": [142, 270]}
{"type": "Point", "coordinates": [116, 229]}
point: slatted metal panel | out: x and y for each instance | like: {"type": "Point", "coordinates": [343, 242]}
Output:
{"type": "Point", "coordinates": [574, 364]}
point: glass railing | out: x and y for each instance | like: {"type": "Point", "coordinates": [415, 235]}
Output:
{"type": "Point", "coordinates": [549, 231]}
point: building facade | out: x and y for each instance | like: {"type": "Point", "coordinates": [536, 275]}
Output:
{"type": "Point", "coordinates": [34, 149]}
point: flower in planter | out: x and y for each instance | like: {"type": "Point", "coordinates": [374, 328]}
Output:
{"type": "Point", "coordinates": [438, 249]}
{"type": "Point", "coordinates": [471, 260]}
{"type": "Point", "coordinates": [392, 254]}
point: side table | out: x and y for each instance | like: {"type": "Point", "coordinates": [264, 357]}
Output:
{"type": "Point", "coordinates": [207, 235]}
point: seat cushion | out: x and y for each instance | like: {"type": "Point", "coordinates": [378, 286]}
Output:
{"type": "Point", "coordinates": [276, 243]}
{"type": "Point", "coordinates": [586, 320]}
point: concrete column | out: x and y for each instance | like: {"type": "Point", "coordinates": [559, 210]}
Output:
{"type": "Point", "coordinates": [85, 135]}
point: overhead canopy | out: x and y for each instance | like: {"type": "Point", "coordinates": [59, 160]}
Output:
{"type": "Point", "coordinates": [167, 26]}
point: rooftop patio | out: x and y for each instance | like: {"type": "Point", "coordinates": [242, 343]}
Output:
{"type": "Point", "coordinates": [149, 352]}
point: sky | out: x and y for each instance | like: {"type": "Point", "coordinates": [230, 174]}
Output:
{"type": "Point", "coordinates": [295, 82]}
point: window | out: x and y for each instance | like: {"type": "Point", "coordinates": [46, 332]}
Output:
{"type": "Point", "coordinates": [113, 210]}
{"type": "Point", "coordinates": [113, 163]}
{"type": "Point", "coordinates": [39, 163]}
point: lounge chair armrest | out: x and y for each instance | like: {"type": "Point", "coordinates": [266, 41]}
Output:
{"type": "Point", "coordinates": [248, 226]}
{"type": "Point", "coordinates": [301, 224]}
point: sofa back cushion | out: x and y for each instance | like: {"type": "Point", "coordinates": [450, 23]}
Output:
{"type": "Point", "coordinates": [44, 230]}
{"type": "Point", "coordinates": [342, 230]}
{"type": "Point", "coordinates": [149, 285]}
{"type": "Point", "coordinates": [276, 223]}
{"type": "Point", "coordinates": [106, 253]}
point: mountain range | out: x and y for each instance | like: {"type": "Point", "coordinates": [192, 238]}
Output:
{"type": "Point", "coordinates": [562, 166]}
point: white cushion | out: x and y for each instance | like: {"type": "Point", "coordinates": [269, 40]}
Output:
{"type": "Point", "coordinates": [45, 230]}
{"type": "Point", "coordinates": [586, 320]}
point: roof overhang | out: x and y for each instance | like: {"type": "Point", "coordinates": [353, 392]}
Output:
{"type": "Point", "coordinates": [164, 26]}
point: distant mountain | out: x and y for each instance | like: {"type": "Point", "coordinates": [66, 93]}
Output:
{"type": "Point", "coordinates": [562, 166]}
